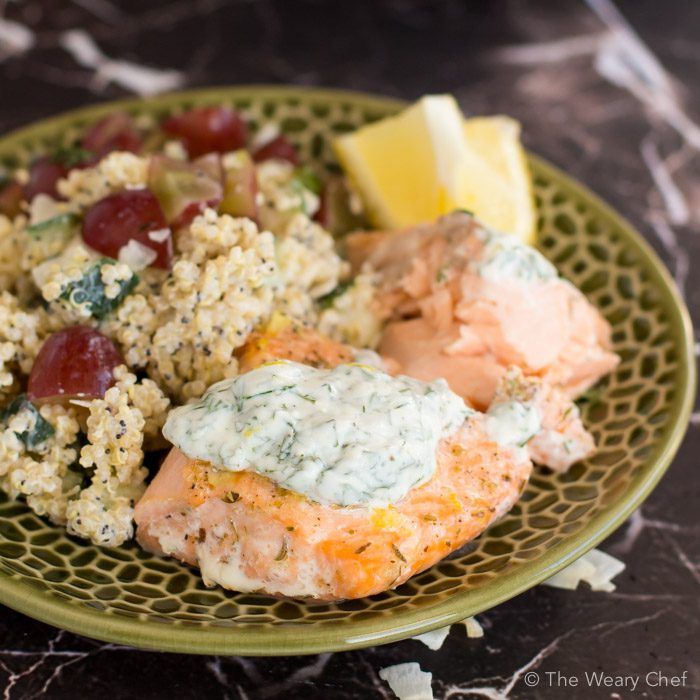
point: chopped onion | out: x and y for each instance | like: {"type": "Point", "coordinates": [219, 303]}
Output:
{"type": "Point", "coordinates": [311, 201]}
{"type": "Point", "coordinates": [434, 639]}
{"type": "Point", "coordinates": [175, 150]}
{"type": "Point", "coordinates": [136, 255]}
{"type": "Point", "coordinates": [84, 403]}
{"type": "Point", "coordinates": [596, 568]}
{"type": "Point", "coordinates": [266, 133]}
{"type": "Point", "coordinates": [408, 682]}
{"type": "Point", "coordinates": [473, 627]}
{"type": "Point", "coordinates": [606, 568]}
{"type": "Point", "coordinates": [159, 236]}
{"type": "Point", "coordinates": [43, 208]}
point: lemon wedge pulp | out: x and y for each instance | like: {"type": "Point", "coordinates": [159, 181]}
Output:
{"type": "Point", "coordinates": [428, 161]}
{"type": "Point", "coordinates": [496, 140]}
{"type": "Point", "coordinates": [405, 167]}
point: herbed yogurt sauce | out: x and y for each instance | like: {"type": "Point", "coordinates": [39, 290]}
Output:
{"type": "Point", "coordinates": [351, 435]}
{"type": "Point", "coordinates": [512, 423]}
{"type": "Point", "coordinates": [347, 436]}
{"type": "Point", "coordinates": [506, 258]}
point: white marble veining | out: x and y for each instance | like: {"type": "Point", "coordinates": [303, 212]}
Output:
{"type": "Point", "coordinates": [626, 61]}
{"type": "Point", "coordinates": [674, 199]}
{"type": "Point", "coordinates": [46, 665]}
{"type": "Point", "coordinates": [142, 80]}
{"type": "Point", "coordinates": [15, 38]}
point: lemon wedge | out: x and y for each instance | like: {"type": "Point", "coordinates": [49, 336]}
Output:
{"type": "Point", "coordinates": [406, 167]}
{"type": "Point", "coordinates": [427, 161]}
{"type": "Point", "coordinates": [496, 140]}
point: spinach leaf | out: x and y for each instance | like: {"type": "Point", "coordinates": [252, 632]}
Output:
{"type": "Point", "coordinates": [326, 301]}
{"type": "Point", "coordinates": [70, 156]}
{"type": "Point", "coordinates": [89, 290]}
{"type": "Point", "coordinates": [308, 179]}
{"type": "Point", "coordinates": [42, 429]}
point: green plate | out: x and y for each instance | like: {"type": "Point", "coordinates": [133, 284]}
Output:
{"type": "Point", "coordinates": [125, 595]}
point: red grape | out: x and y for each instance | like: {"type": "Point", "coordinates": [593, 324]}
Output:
{"type": "Point", "coordinates": [208, 129]}
{"type": "Point", "coordinates": [76, 362]}
{"type": "Point", "coordinates": [115, 132]}
{"type": "Point", "coordinates": [323, 213]}
{"type": "Point", "coordinates": [279, 148]}
{"type": "Point", "coordinates": [128, 215]}
{"type": "Point", "coordinates": [44, 173]}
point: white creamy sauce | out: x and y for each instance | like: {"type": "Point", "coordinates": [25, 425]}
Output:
{"type": "Point", "coordinates": [352, 435]}
{"type": "Point", "coordinates": [512, 423]}
{"type": "Point", "coordinates": [364, 356]}
{"type": "Point", "coordinates": [506, 258]}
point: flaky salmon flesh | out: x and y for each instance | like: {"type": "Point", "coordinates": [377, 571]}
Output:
{"type": "Point", "coordinates": [246, 533]}
{"type": "Point", "coordinates": [446, 319]}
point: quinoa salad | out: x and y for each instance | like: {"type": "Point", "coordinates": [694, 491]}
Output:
{"type": "Point", "coordinates": [136, 260]}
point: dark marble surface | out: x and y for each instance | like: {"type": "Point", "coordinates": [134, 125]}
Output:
{"type": "Point", "coordinates": [620, 115]}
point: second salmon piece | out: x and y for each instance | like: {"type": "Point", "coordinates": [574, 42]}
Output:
{"type": "Point", "coordinates": [464, 303]}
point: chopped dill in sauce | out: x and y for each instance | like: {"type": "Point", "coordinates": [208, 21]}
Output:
{"type": "Point", "coordinates": [352, 435]}
{"type": "Point", "coordinates": [507, 258]}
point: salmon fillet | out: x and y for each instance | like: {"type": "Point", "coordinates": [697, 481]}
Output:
{"type": "Point", "coordinates": [286, 339]}
{"type": "Point", "coordinates": [450, 314]}
{"type": "Point", "coordinates": [246, 533]}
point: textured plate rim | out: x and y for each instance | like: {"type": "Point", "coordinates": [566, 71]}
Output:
{"type": "Point", "coordinates": [294, 639]}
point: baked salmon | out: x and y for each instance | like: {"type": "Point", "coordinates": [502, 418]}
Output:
{"type": "Point", "coordinates": [247, 533]}
{"type": "Point", "coordinates": [284, 338]}
{"type": "Point", "coordinates": [465, 303]}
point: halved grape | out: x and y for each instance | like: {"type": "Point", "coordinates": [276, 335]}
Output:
{"type": "Point", "coordinates": [76, 362]}
{"type": "Point", "coordinates": [208, 130]}
{"type": "Point", "coordinates": [44, 173]}
{"type": "Point", "coordinates": [279, 148]}
{"type": "Point", "coordinates": [240, 188]}
{"type": "Point", "coordinates": [115, 132]}
{"type": "Point", "coordinates": [184, 189]}
{"type": "Point", "coordinates": [129, 215]}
